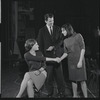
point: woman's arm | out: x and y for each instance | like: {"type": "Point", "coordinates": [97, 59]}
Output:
{"type": "Point", "coordinates": [82, 55]}
{"type": "Point", "coordinates": [79, 65]}
{"type": "Point", "coordinates": [30, 57]}
{"type": "Point", "coordinates": [82, 47]}
{"type": "Point", "coordinates": [47, 59]}
{"type": "Point", "coordinates": [63, 56]}
{"type": "Point", "coordinates": [50, 59]}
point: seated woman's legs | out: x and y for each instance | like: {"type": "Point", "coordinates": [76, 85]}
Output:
{"type": "Point", "coordinates": [23, 84]}
{"type": "Point", "coordinates": [30, 89]}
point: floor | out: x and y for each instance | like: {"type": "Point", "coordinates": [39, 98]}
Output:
{"type": "Point", "coordinates": [11, 82]}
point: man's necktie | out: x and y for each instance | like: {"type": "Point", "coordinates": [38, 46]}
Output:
{"type": "Point", "coordinates": [51, 32]}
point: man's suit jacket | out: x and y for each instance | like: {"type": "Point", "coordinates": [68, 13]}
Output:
{"type": "Point", "coordinates": [45, 40]}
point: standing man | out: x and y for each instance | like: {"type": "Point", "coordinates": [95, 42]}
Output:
{"type": "Point", "coordinates": [49, 42]}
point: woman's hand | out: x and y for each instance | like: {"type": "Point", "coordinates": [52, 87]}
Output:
{"type": "Point", "coordinates": [58, 60]}
{"type": "Point", "coordinates": [79, 65]}
{"type": "Point", "coordinates": [37, 72]}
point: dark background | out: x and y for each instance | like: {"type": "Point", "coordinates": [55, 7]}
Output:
{"type": "Point", "coordinates": [82, 14]}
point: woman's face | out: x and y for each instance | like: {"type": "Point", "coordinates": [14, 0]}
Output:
{"type": "Point", "coordinates": [64, 32]}
{"type": "Point", "coordinates": [35, 47]}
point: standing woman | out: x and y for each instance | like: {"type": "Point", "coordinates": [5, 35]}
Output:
{"type": "Point", "coordinates": [74, 48]}
{"type": "Point", "coordinates": [35, 78]}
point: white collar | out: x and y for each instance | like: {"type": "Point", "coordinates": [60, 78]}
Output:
{"type": "Point", "coordinates": [49, 27]}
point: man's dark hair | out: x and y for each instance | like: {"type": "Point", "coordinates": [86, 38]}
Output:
{"type": "Point", "coordinates": [49, 15]}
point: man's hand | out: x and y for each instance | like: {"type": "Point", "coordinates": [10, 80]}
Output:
{"type": "Point", "coordinates": [50, 48]}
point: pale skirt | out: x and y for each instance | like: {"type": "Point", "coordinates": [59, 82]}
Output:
{"type": "Point", "coordinates": [38, 80]}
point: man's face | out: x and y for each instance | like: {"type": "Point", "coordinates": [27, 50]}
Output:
{"type": "Point", "coordinates": [50, 21]}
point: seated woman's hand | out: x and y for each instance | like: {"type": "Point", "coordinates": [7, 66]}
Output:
{"type": "Point", "coordinates": [41, 69]}
{"type": "Point", "coordinates": [37, 72]}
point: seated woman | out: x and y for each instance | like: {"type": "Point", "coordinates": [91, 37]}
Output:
{"type": "Point", "coordinates": [35, 78]}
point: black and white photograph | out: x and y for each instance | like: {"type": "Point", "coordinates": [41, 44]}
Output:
{"type": "Point", "coordinates": [0, 11]}
{"type": "Point", "coordinates": [0, 51]}
{"type": "Point", "coordinates": [49, 49]}
{"type": "Point", "coordinates": [0, 68]}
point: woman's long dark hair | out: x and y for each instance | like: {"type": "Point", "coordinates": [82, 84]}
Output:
{"type": "Point", "coordinates": [68, 27]}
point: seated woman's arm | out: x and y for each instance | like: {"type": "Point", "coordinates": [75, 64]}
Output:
{"type": "Point", "coordinates": [30, 57]}
{"type": "Point", "coordinates": [44, 65]}
{"type": "Point", "coordinates": [50, 59]}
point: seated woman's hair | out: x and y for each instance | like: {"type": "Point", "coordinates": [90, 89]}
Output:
{"type": "Point", "coordinates": [29, 43]}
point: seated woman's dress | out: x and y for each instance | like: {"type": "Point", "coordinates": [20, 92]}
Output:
{"type": "Point", "coordinates": [35, 63]}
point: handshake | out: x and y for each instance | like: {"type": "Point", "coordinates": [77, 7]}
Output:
{"type": "Point", "coordinates": [57, 59]}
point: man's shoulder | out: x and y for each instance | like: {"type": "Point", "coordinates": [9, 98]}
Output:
{"type": "Point", "coordinates": [43, 28]}
{"type": "Point", "coordinates": [55, 26]}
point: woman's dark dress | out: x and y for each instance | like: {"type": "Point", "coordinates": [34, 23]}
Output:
{"type": "Point", "coordinates": [73, 46]}
{"type": "Point", "coordinates": [35, 63]}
